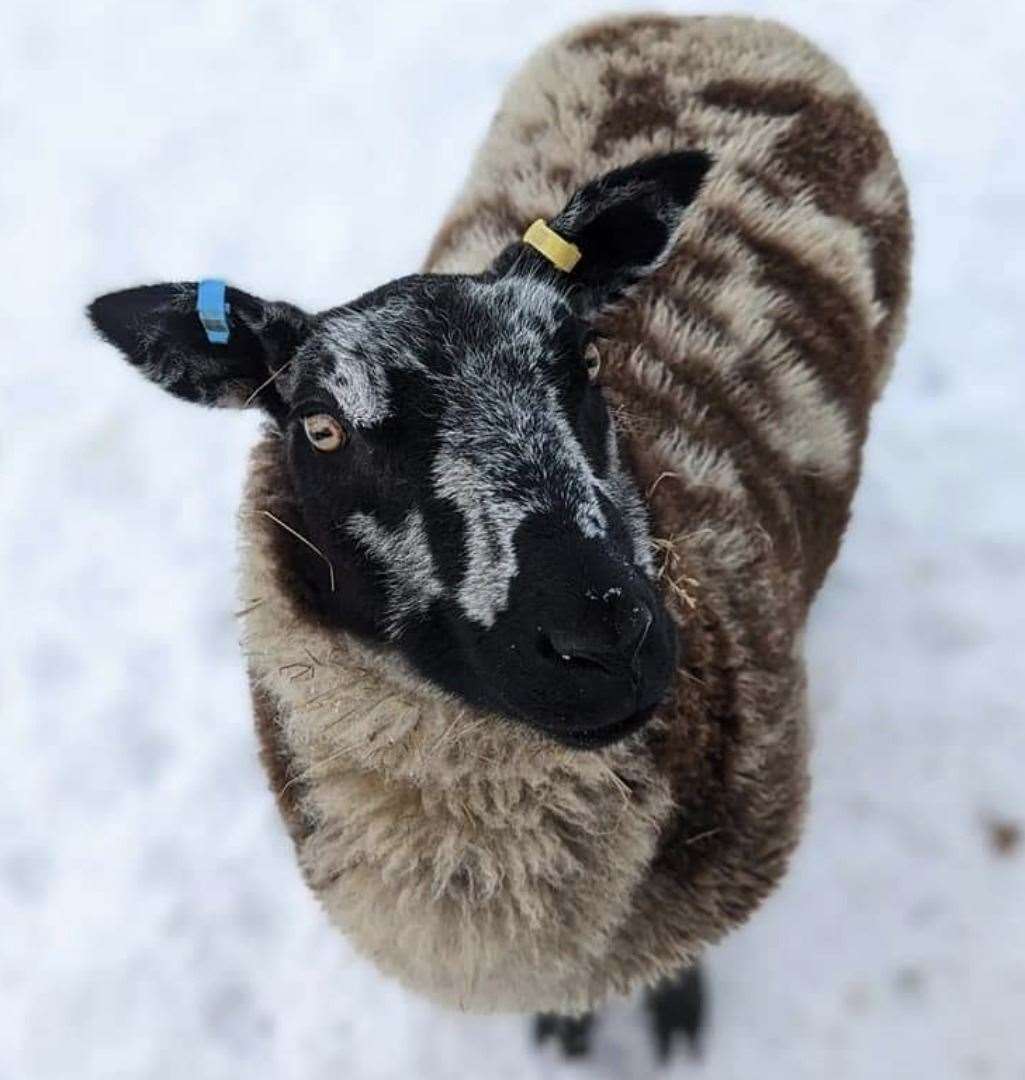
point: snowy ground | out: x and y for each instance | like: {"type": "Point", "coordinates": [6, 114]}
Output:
{"type": "Point", "coordinates": [152, 923]}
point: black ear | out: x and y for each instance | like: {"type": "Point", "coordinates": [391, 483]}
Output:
{"type": "Point", "coordinates": [158, 329]}
{"type": "Point", "coordinates": [624, 224]}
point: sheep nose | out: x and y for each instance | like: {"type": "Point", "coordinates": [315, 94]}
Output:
{"type": "Point", "coordinates": [605, 643]}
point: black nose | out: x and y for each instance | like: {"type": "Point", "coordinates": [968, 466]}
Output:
{"type": "Point", "coordinates": [608, 639]}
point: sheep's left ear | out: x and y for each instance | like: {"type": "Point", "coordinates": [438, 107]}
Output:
{"type": "Point", "coordinates": [624, 224]}
{"type": "Point", "coordinates": [228, 362]}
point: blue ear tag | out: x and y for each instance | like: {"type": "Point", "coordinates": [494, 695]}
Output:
{"type": "Point", "coordinates": [213, 311]}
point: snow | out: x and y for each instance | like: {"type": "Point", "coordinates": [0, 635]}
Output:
{"type": "Point", "coordinates": [152, 922]}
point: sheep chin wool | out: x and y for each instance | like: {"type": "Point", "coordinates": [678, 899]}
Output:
{"type": "Point", "coordinates": [481, 864]}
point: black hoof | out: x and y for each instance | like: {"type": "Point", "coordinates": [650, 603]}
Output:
{"type": "Point", "coordinates": [572, 1033]}
{"type": "Point", "coordinates": [678, 1005]}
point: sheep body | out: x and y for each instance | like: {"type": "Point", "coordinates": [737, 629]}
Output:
{"type": "Point", "coordinates": [483, 865]}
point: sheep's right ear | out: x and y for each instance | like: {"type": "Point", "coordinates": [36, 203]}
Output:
{"type": "Point", "coordinates": [614, 231]}
{"type": "Point", "coordinates": [158, 329]}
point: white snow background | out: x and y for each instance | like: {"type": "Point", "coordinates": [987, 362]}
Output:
{"type": "Point", "coordinates": [152, 920]}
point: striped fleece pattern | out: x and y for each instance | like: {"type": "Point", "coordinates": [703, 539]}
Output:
{"type": "Point", "coordinates": [482, 865]}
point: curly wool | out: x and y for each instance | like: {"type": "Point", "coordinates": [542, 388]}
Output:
{"type": "Point", "coordinates": [481, 864]}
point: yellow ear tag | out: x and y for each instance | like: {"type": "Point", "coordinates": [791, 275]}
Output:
{"type": "Point", "coordinates": [560, 253]}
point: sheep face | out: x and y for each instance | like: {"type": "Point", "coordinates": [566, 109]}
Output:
{"type": "Point", "coordinates": [457, 492]}
{"type": "Point", "coordinates": [477, 514]}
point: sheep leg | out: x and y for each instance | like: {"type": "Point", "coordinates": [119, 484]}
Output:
{"type": "Point", "coordinates": [678, 1005]}
{"type": "Point", "coordinates": [572, 1033]}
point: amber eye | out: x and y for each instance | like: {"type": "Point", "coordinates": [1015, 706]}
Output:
{"type": "Point", "coordinates": [592, 359]}
{"type": "Point", "coordinates": [324, 432]}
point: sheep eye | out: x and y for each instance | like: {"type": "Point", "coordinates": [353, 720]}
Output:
{"type": "Point", "coordinates": [324, 432]}
{"type": "Point", "coordinates": [592, 360]}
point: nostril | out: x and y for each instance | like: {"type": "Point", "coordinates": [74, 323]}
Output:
{"type": "Point", "coordinates": [635, 631]}
{"type": "Point", "coordinates": [605, 644]}
{"type": "Point", "coordinates": [572, 647]}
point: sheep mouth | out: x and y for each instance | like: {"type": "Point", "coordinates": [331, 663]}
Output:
{"type": "Point", "coordinates": [597, 738]}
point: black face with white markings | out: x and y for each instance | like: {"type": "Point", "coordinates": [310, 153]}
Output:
{"type": "Point", "coordinates": [454, 461]}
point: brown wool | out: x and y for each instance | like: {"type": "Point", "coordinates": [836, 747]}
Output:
{"type": "Point", "coordinates": [479, 863]}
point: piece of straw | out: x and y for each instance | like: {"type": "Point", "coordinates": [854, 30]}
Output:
{"type": "Point", "coordinates": [309, 543]}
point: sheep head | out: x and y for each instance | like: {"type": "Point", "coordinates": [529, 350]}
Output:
{"type": "Point", "coordinates": [456, 473]}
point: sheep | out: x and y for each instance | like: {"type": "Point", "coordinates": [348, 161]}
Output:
{"type": "Point", "coordinates": [528, 547]}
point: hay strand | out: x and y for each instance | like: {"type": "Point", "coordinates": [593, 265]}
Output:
{"type": "Point", "coordinates": [309, 543]}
